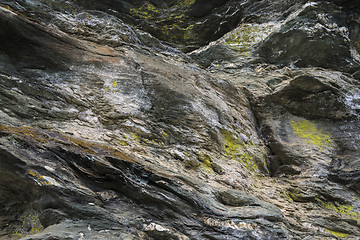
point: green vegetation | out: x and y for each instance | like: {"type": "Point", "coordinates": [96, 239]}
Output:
{"type": "Point", "coordinates": [286, 195]}
{"type": "Point", "coordinates": [123, 143]}
{"type": "Point", "coordinates": [206, 163]}
{"type": "Point", "coordinates": [146, 11]}
{"type": "Point", "coordinates": [296, 195]}
{"type": "Point", "coordinates": [185, 3]}
{"type": "Point", "coordinates": [336, 234]}
{"type": "Point", "coordinates": [142, 141]}
{"type": "Point", "coordinates": [344, 210]}
{"type": "Point", "coordinates": [246, 35]}
{"type": "Point", "coordinates": [164, 134]}
{"type": "Point", "coordinates": [173, 23]}
{"type": "Point", "coordinates": [308, 131]}
{"type": "Point", "coordinates": [135, 137]}
{"type": "Point", "coordinates": [246, 153]}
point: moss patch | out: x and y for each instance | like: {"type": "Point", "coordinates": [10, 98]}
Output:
{"type": "Point", "coordinates": [312, 135]}
{"type": "Point", "coordinates": [286, 195]}
{"type": "Point", "coordinates": [123, 143]}
{"type": "Point", "coordinates": [247, 153]}
{"type": "Point", "coordinates": [164, 134]}
{"type": "Point", "coordinates": [343, 209]}
{"type": "Point", "coordinates": [146, 11]}
{"type": "Point", "coordinates": [185, 3]}
{"type": "Point", "coordinates": [172, 22]}
{"type": "Point", "coordinates": [206, 163]}
{"type": "Point", "coordinates": [336, 234]}
{"type": "Point", "coordinates": [246, 35]}
{"type": "Point", "coordinates": [135, 137]}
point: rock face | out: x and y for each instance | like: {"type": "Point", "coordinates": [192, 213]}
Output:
{"type": "Point", "coordinates": [186, 24]}
{"type": "Point", "coordinates": [108, 131]}
{"type": "Point", "coordinates": [320, 35]}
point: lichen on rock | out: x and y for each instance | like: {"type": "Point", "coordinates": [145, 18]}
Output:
{"type": "Point", "coordinates": [110, 130]}
{"type": "Point", "coordinates": [246, 35]}
{"type": "Point", "coordinates": [247, 153]}
{"type": "Point", "coordinates": [30, 224]}
{"type": "Point", "coordinates": [311, 134]}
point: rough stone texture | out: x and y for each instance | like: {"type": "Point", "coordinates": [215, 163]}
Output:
{"type": "Point", "coordinates": [108, 132]}
{"type": "Point", "coordinates": [318, 36]}
{"type": "Point", "coordinates": [186, 24]}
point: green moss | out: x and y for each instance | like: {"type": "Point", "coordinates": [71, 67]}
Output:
{"type": "Point", "coordinates": [246, 35]}
{"type": "Point", "coordinates": [157, 142]}
{"type": "Point", "coordinates": [345, 210]}
{"type": "Point", "coordinates": [308, 131]}
{"type": "Point", "coordinates": [286, 195]}
{"type": "Point", "coordinates": [145, 141]}
{"type": "Point", "coordinates": [173, 23]}
{"type": "Point", "coordinates": [135, 137]}
{"type": "Point", "coordinates": [232, 144]}
{"type": "Point", "coordinates": [296, 195]}
{"type": "Point", "coordinates": [186, 3]}
{"type": "Point", "coordinates": [114, 85]}
{"type": "Point", "coordinates": [205, 159]}
{"type": "Point", "coordinates": [336, 234]}
{"type": "Point", "coordinates": [123, 143]}
{"type": "Point", "coordinates": [205, 163]}
{"type": "Point", "coordinates": [245, 153]}
{"type": "Point", "coordinates": [164, 134]}
{"type": "Point", "coordinates": [146, 11]}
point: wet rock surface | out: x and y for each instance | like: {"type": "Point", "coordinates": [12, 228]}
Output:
{"type": "Point", "coordinates": [108, 130]}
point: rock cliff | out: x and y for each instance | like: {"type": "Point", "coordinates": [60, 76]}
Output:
{"type": "Point", "coordinates": [181, 119]}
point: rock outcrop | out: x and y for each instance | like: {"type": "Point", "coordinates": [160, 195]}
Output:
{"type": "Point", "coordinates": [109, 130]}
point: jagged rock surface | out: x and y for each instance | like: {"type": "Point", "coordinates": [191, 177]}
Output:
{"type": "Point", "coordinates": [107, 132]}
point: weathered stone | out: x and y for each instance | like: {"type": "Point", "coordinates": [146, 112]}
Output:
{"type": "Point", "coordinates": [107, 132]}
{"type": "Point", "coordinates": [317, 36]}
{"type": "Point", "coordinates": [307, 95]}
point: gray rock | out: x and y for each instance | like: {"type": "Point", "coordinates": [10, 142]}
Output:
{"type": "Point", "coordinates": [106, 132]}
{"type": "Point", "coordinates": [317, 36]}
